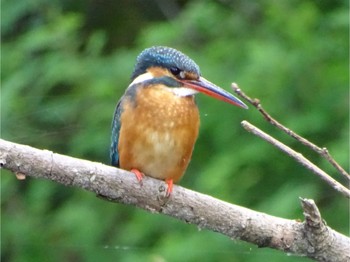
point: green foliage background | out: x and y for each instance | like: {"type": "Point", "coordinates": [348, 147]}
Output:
{"type": "Point", "coordinates": [64, 66]}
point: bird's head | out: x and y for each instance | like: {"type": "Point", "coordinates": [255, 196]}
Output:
{"type": "Point", "coordinates": [178, 72]}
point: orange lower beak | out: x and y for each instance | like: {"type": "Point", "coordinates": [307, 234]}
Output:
{"type": "Point", "coordinates": [204, 86]}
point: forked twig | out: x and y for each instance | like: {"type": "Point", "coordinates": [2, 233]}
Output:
{"type": "Point", "coordinates": [298, 157]}
{"type": "Point", "coordinates": [323, 152]}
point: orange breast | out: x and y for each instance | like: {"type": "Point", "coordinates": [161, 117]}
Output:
{"type": "Point", "coordinates": [158, 133]}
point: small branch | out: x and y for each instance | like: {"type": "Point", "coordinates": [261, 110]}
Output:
{"type": "Point", "coordinates": [323, 152]}
{"type": "Point", "coordinates": [191, 207]}
{"type": "Point", "coordinates": [316, 230]}
{"type": "Point", "coordinates": [298, 157]}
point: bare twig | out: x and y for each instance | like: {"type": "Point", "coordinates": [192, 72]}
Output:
{"type": "Point", "coordinates": [204, 211]}
{"type": "Point", "coordinates": [298, 157]}
{"type": "Point", "coordinates": [321, 151]}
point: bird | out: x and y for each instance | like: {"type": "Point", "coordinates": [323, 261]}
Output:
{"type": "Point", "coordinates": [156, 122]}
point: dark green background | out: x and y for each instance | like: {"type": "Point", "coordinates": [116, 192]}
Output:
{"type": "Point", "coordinates": [64, 66]}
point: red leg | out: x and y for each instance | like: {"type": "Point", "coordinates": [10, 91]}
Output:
{"type": "Point", "coordinates": [170, 187]}
{"type": "Point", "coordinates": [139, 175]}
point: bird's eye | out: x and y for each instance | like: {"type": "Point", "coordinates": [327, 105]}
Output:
{"type": "Point", "coordinates": [177, 72]}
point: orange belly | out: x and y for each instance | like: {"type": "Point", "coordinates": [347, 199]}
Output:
{"type": "Point", "coordinates": [158, 132]}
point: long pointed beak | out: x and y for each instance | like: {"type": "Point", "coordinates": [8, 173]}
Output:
{"type": "Point", "coordinates": [204, 86]}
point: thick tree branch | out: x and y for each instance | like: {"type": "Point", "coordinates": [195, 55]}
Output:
{"type": "Point", "coordinates": [301, 238]}
{"type": "Point", "coordinates": [316, 230]}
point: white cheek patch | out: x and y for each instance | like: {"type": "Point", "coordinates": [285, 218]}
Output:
{"type": "Point", "coordinates": [182, 75]}
{"type": "Point", "coordinates": [142, 78]}
{"type": "Point", "coordinates": [179, 91]}
{"type": "Point", "coordinates": [183, 91]}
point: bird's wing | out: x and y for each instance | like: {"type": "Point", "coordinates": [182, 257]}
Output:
{"type": "Point", "coordinates": [115, 135]}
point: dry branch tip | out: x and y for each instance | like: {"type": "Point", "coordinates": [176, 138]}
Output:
{"type": "Point", "coordinates": [323, 152]}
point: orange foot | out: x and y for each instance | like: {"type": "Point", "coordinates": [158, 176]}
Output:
{"type": "Point", "coordinates": [139, 175]}
{"type": "Point", "coordinates": [170, 183]}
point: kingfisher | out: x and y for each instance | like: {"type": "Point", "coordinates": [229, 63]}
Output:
{"type": "Point", "coordinates": [156, 122]}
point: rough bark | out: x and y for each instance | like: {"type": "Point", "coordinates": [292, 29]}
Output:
{"type": "Point", "coordinates": [311, 238]}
